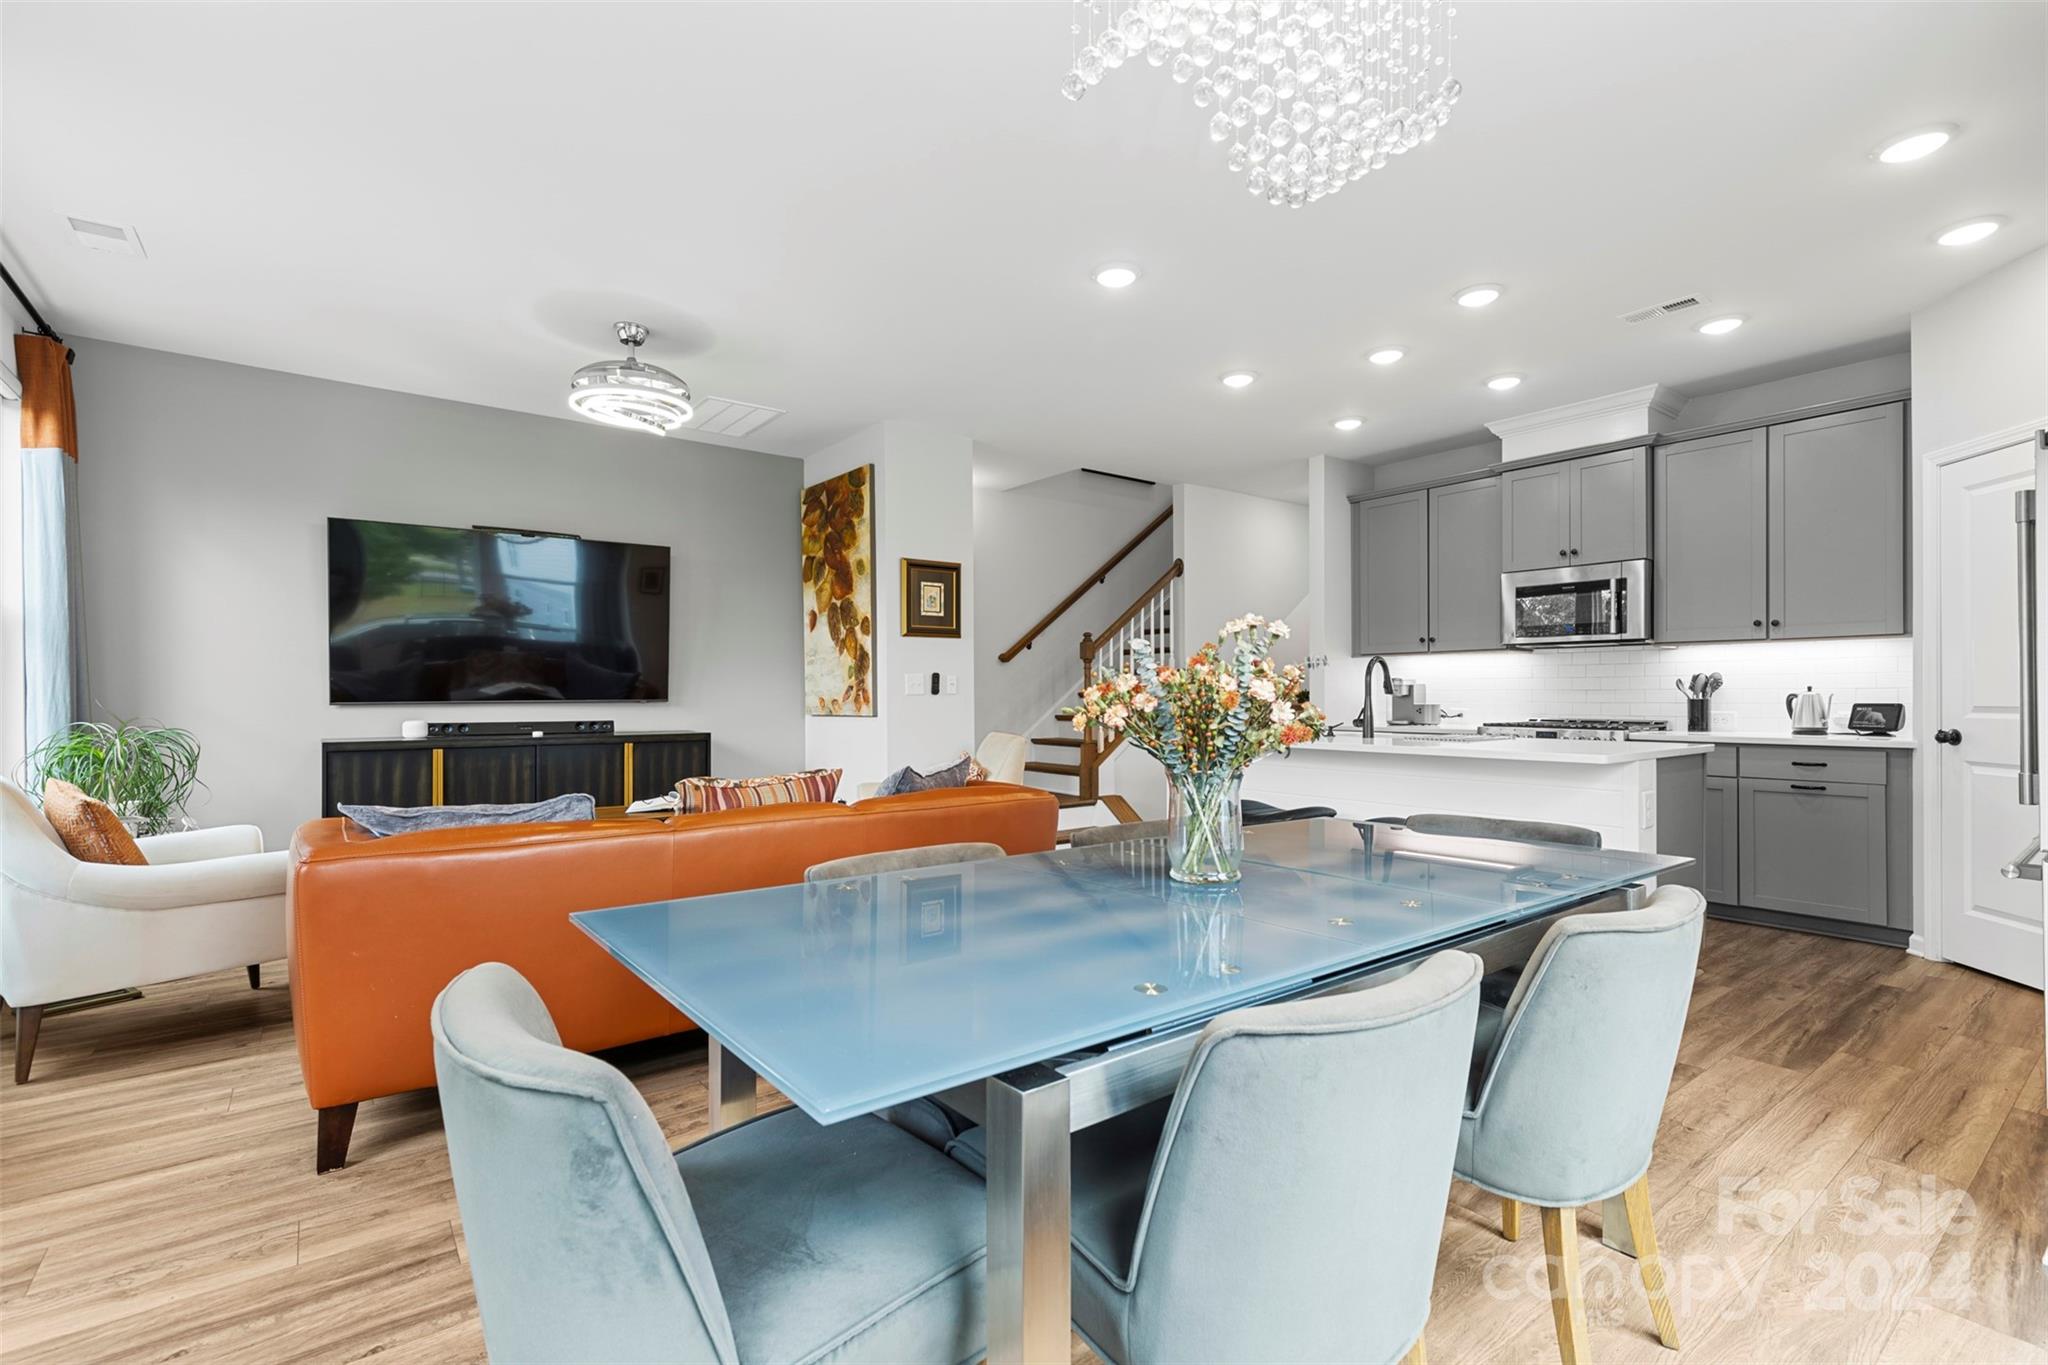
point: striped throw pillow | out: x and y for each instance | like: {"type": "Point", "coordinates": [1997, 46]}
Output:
{"type": "Point", "coordinates": [724, 793]}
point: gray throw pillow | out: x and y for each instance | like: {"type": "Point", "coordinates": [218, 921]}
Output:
{"type": "Point", "coordinates": [909, 779]}
{"type": "Point", "coordinates": [387, 820]}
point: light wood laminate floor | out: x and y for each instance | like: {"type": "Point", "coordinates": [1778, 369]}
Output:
{"type": "Point", "coordinates": [1853, 1166]}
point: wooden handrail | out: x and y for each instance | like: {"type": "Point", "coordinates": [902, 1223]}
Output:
{"type": "Point", "coordinates": [1099, 576]}
{"type": "Point", "coordinates": [1092, 643]}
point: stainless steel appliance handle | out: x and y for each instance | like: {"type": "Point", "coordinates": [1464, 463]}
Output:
{"type": "Point", "coordinates": [2026, 867]}
{"type": "Point", "coordinates": [2030, 680]}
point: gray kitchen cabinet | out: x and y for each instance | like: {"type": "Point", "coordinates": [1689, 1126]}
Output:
{"type": "Point", "coordinates": [1535, 518]}
{"type": "Point", "coordinates": [1609, 498]}
{"type": "Point", "coordinates": [1464, 566]}
{"type": "Point", "coordinates": [1718, 861]}
{"type": "Point", "coordinates": [1837, 495]}
{"type": "Point", "coordinates": [1813, 848]}
{"type": "Point", "coordinates": [1390, 588]}
{"type": "Point", "coordinates": [1711, 547]}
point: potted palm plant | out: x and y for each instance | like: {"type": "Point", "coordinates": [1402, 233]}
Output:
{"type": "Point", "coordinates": [145, 772]}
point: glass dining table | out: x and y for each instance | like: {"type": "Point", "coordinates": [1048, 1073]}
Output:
{"type": "Point", "coordinates": [1045, 993]}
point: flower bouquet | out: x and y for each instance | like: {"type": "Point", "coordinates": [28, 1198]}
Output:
{"type": "Point", "coordinates": [1206, 721]}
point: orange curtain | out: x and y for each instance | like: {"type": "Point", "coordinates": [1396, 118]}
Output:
{"type": "Point", "coordinates": [49, 415]}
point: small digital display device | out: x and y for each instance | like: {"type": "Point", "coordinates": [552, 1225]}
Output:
{"type": "Point", "coordinates": [1876, 717]}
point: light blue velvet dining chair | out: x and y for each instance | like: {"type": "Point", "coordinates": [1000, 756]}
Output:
{"type": "Point", "coordinates": [775, 1241]}
{"type": "Point", "coordinates": [1285, 1204]}
{"type": "Point", "coordinates": [1567, 1085]}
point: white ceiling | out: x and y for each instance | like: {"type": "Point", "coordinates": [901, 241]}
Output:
{"type": "Point", "coordinates": [865, 211]}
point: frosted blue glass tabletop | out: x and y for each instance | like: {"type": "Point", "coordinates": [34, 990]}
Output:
{"type": "Point", "coordinates": [852, 995]}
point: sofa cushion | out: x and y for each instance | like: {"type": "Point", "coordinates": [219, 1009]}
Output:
{"type": "Point", "coordinates": [908, 779]}
{"type": "Point", "coordinates": [91, 832]}
{"type": "Point", "coordinates": [387, 820]}
{"type": "Point", "coordinates": [815, 785]}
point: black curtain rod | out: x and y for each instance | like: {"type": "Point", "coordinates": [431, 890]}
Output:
{"type": "Point", "coordinates": [43, 328]}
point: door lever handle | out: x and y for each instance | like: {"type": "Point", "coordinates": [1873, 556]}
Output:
{"type": "Point", "coordinates": [2026, 867]}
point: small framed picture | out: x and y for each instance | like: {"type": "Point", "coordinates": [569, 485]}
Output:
{"type": "Point", "coordinates": [931, 598]}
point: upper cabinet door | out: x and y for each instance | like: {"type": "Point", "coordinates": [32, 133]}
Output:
{"type": "Point", "coordinates": [1390, 559]}
{"type": "Point", "coordinates": [1709, 576]}
{"type": "Point", "coordinates": [1464, 566]}
{"type": "Point", "coordinates": [1838, 525]}
{"type": "Point", "coordinates": [1610, 507]}
{"type": "Point", "coordinates": [1535, 518]}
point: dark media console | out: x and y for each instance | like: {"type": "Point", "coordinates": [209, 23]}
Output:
{"type": "Point", "coordinates": [508, 764]}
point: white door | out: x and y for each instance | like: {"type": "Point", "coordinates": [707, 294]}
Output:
{"type": "Point", "coordinates": [1988, 921]}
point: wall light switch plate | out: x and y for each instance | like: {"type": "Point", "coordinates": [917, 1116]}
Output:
{"type": "Point", "coordinates": [1649, 810]}
{"type": "Point", "coordinates": [952, 684]}
{"type": "Point", "coordinates": [912, 684]}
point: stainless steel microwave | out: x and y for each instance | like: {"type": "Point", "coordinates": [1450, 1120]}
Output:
{"type": "Point", "coordinates": [1578, 604]}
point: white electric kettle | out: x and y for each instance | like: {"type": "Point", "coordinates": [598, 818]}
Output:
{"type": "Point", "coordinates": [1809, 711]}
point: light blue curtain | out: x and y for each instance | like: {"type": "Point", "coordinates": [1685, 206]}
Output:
{"type": "Point", "coordinates": [55, 689]}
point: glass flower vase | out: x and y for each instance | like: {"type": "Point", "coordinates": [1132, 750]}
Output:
{"type": "Point", "coordinates": [1205, 828]}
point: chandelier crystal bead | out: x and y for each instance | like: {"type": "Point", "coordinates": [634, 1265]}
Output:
{"type": "Point", "coordinates": [1310, 95]}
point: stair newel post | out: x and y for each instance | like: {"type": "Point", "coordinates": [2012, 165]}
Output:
{"type": "Point", "coordinates": [1085, 782]}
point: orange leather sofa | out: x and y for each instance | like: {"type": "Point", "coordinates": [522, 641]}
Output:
{"type": "Point", "coordinates": [378, 926]}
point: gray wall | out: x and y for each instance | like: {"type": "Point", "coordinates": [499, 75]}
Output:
{"type": "Point", "coordinates": [1980, 356]}
{"type": "Point", "coordinates": [206, 490]}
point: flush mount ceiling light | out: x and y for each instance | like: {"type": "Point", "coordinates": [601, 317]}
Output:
{"type": "Point", "coordinates": [1478, 295]}
{"type": "Point", "coordinates": [1969, 233]}
{"type": "Point", "coordinates": [1238, 379]}
{"type": "Point", "coordinates": [1501, 383]}
{"type": "Point", "coordinates": [1310, 95]}
{"type": "Point", "coordinates": [1912, 146]}
{"type": "Point", "coordinates": [628, 392]}
{"type": "Point", "coordinates": [1348, 423]}
{"type": "Point", "coordinates": [1387, 356]}
{"type": "Point", "coordinates": [1720, 327]}
{"type": "Point", "coordinates": [1117, 276]}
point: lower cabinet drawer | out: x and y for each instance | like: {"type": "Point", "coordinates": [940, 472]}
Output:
{"type": "Point", "coordinates": [1813, 847]}
{"type": "Point", "coordinates": [1816, 763]}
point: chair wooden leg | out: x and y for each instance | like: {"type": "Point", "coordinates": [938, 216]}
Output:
{"type": "Point", "coordinates": [255, 977]}
{"type": "Point", "coordinates": [336, 1123]}
{"type": "Point", "coordinates": [28, 1025]}
{"type": "Point", "coordinates": [1649, 1262]}
{"type": "Point", "coordinates": [1511, 1219]}
{"type": "Point", "coordinates": [1418, 1354]}
{"type": "Point", "coordinates": [1567, 1304]}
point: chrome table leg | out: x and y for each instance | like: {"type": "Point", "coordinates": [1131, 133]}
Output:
{"type": "Point", "coordinates": [731, 1083]}
{"type": "Point", "coordinates": [1029, 1189]}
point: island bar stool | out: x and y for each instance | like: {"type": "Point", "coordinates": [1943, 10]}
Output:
{"type": "Point", "coordinates": [776, 1240]}
{"type": "Point", "coordinates": [1563, 1108]}
{"type": "Point", "coordinates": [1186, 1247]}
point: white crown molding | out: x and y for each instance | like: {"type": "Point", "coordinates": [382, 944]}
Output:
{"type": "Point", "coordinates": [1655, 400]}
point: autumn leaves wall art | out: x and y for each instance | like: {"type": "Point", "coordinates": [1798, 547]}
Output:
{"type": "Point", "coordinates": [839, 595]}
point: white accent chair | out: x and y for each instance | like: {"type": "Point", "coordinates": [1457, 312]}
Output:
{"type": "Point", "coordinates": [209, 899]}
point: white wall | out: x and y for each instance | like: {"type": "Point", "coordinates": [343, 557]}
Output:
{"type": "Point", "coordinates": [924, 509]}
{"type": "Point", "coordinates": [1242, 554]}
{"type": "Point", "coordinates": [1980, 357]}
{"type": "Point", "coordinates": [1635, 681]}
{"type": "Point", "coordinates": [1031, 546]}
{"type": "Point", "coordinates": [206, 488]}
{"type": "Point", "coordinates": [1334, 681]}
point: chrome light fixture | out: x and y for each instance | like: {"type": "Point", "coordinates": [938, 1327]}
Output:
{"type": "Point", "coordinates": [1310, 94]}
{"type": "Point", "coordinates": [628, 392]}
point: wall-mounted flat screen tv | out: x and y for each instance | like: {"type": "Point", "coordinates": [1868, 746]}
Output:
{"type": "Point", "coordinates": [419, 614]}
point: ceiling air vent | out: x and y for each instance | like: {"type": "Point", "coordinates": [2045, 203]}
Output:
{"type": "Point", "coordinates": [731, 417]}
{"type": "Point", "coordinates": [93, 236]}
{"type": "Point", "coordinates": [1677, 305]}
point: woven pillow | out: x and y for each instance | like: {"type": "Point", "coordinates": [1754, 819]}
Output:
{"type": "Point", "coordinates": [724, 793]}
{"type": "Point", "coordinates": [384, 821]}
{"type": "Point", "coordinates": [89, 827]}
{"type": "Point", "coordinates": [904, 780]}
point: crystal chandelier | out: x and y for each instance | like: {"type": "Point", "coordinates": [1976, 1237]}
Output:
{"type": "Point", "coordinates": [628, 392]}
{"type": "Point", "coordinates": [1310, 94]}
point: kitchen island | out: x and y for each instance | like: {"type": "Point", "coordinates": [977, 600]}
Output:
{"type": "Point", "coordinates": [1645, 795]}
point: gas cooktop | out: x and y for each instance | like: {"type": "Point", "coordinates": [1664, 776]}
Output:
{"type": "Point", "coordinates": [1573, 728]}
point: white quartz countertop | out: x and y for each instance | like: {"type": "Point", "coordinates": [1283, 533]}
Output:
{"type": "Point", "coordinates": [1836, 740]}
{"type": "Point", "coordinates": [1411, 744]}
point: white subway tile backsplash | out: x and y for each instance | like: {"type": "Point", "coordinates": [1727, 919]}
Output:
{"type": "Point", "coordinates": [1635, 681]}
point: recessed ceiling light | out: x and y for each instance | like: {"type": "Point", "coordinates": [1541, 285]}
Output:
{"type": "Point", "coordinates": [1501, 383]}
{"type": "Point", "coordinates": [1720, 327]}
{"type": "Point", "coordinates": [1238, 379]}
{"type": "Point", "coordinates": [1348, 423]}
{"type": "Point", "coordinates": [1117, 276]}
{"type": "Point", "coordinates": [1970, 233]}
{"type": "Point", "coordinates": [1916, 144]}
{"type": "Point", "coordinates": [1478, 295]}
{"type": "Point", "coordinates": [1387, 356]}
